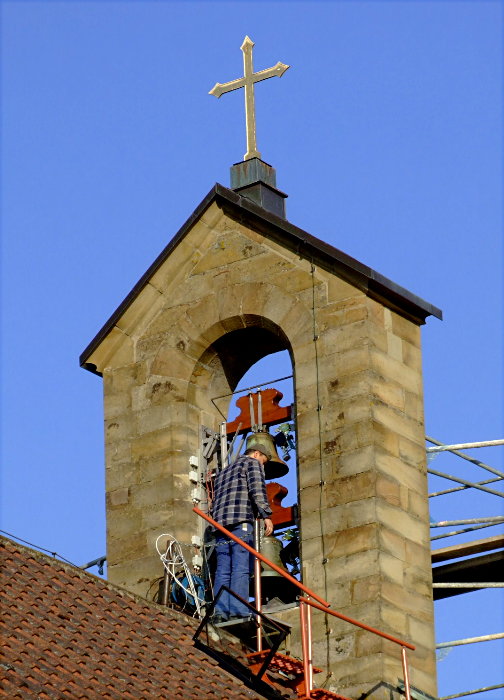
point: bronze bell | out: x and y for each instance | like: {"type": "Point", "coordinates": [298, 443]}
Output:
{"type": "Point", "coordinates": [273, 584]}
{"type": "Point", "coordinates": [271, 548]}
{"type": "Point", "coordinates": [274, 467]}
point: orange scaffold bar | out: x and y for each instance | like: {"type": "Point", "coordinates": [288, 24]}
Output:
{"type": "Point", "coordinates": [322, 605]}
{"type": "Point", "coordinates": [358, 624]}
{"type": "Point", "coordinates": [262, 558]}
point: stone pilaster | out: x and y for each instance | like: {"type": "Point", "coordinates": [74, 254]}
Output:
{"type": "Point", "coordinates": [226, 296]}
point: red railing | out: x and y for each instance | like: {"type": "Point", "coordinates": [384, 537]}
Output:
{"type": "Point", "coordinates": [305, 615]}
{"type": "Point", "coordinates": [357, 624]}
{"type": "Point", "coordinates": [403, 645]}
{"type": "Point", "coordinates": [261, 557]}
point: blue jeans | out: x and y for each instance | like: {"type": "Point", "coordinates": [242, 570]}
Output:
{"type": "Point", "coordinates": [233, 570]}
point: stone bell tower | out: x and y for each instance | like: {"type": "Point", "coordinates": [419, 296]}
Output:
{"type": "Point", "coordinates": [236, 283]}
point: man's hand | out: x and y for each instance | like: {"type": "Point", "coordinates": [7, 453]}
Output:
{"type": "Point", "coordinates": [268, 526]}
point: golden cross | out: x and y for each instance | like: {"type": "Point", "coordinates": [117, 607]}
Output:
{"type": "Point", "coordinates": [248, 80]}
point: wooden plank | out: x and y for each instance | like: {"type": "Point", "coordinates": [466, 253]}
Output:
{"type": "Point", "coordinates": [465, 549]}
{"type": "Point", "coordinates": [272, 413]}
{"type": "Point", "coordinates": [282, 516]}
{"type": "Point", "coordinates": [482, 569]}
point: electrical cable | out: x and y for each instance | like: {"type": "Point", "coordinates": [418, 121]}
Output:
{"type": "Point", "coordinates": [173, 560]}
{"type": "Point", "coordinates": [322, 481]}
{"type": "Point", "coordinates": [42, 549]}
{"type": "Point", "coordinates": [206, 566]}
{"type": "Point", "coordinates": [209, 485]}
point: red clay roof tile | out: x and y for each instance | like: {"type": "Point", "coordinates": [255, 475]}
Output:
{"type": "Point", "coordinates": [68, 634]}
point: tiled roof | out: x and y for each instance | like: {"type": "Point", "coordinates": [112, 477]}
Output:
{"type": "Point", "coordinates": [68, 634]}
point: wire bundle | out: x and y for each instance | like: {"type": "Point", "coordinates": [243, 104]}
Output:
{"type": "Point", "coordinates": [174, 563]}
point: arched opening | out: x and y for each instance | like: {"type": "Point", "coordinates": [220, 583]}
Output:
{"type": "Point", "coordinates": [236, 368]}
{"type": "Point", "coordinates": [241, 350]}
{"type": "Point", "coordinates": [274, 372]}
{"type": "Point", "coordinates": [237, 343]}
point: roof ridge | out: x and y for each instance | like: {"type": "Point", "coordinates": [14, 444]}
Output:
{"type": "Point", "coordinates": [83, 574]}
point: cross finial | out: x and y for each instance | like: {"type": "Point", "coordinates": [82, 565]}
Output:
{"type": "Point", "coordinates": [247, 82]}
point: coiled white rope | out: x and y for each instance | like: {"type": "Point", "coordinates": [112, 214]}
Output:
{"type": "Point", "coordinates": [173, 561]}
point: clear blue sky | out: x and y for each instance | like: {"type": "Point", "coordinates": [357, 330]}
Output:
{"type": "Point", "coordinates": [386, 134]}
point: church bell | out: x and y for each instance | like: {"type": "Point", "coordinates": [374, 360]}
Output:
{"type": "Point", "coordinates": [273, 585]}
{"type": "Point", "coordinates": [274, 467]}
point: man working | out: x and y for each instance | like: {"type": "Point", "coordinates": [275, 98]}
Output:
{"type": "Point", "coordinates": [239, 498]}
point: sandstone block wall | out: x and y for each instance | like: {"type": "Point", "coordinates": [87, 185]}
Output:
{"type": "Point", "coordinates": [226, 296]}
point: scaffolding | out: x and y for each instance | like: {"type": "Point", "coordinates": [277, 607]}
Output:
{"type": "Point", "coordinates": [479, 563]}
{"type": "Point", "coordinates": [459, 568]}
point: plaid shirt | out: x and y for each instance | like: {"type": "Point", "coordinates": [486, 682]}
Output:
{"type": "Point", "coordinates": [240, 493]}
